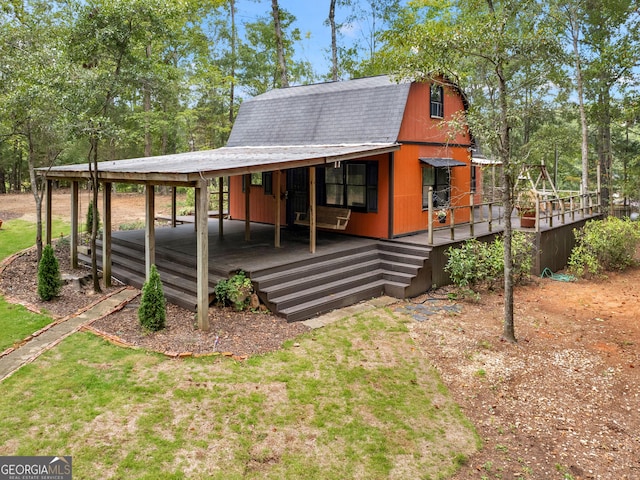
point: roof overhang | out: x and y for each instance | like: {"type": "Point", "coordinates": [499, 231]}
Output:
{"type": "Point", "coordinates": [191, 167]}
{"type": "Point", "coordinates": [442, 162]}
{"type": "Point", "coordinates": [482, 160]}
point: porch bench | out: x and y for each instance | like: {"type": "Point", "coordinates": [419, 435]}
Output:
{"type": "Point", "coordinates": [333, 218]}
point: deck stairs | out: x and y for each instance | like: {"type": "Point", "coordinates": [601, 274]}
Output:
{"type": "Point", "coordinates": [296, 291]}
{"type": "Point", "coordinates": [305, 289]}
{"type": "Point", "coordinates": [177, 271]}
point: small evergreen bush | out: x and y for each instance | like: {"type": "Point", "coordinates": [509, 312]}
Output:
{"type": "Point", "coordinates": [49, 279]}
{"type": "Point", "coordinates": [604, 245]}
{"type": "Point", "coordinates": [152, 312]}
{"type": "Point", "coordinates": [234, 291]}
{"type": "Point", "coordinates": [89, 220]}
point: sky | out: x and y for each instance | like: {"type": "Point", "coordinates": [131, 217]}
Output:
{"type": "Point", "coordinates": [310, 17]}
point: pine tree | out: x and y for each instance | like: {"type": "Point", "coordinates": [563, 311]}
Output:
{"type": "Point", "coordinates": [49, 279]}
{"type": "Point", "coordinates": [152, 312]}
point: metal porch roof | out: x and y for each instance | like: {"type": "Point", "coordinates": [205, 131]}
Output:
{"type": "Point", "coordinates": [189, 167]}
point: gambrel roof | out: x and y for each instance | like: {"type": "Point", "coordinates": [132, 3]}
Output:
{"type": "Point", "coordinates": [362, 111]}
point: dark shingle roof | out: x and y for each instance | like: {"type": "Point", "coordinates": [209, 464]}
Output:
{"type": "Point", "coordinates": [367, 110]}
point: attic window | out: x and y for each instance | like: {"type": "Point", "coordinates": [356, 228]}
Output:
{"type": "Point", "coordinates": [437, 101]}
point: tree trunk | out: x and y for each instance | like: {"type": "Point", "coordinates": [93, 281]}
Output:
{"type": "Point", "coordinates": [575, 34]}
{"type": "Point", "coordinates": [147, 110]}
{"type": "Point", "coordinates": [34, 190]}
{"type": "Point", "coordinates": [232, 7]}
{"type": "Point", "coordinates": [334, 41]}
{"type": "Point", "coordinates": [282, 63]}
{"type": "Point", "coordinates": [93, 170]}
{"type": "Point", "coordinates": [507, 198]}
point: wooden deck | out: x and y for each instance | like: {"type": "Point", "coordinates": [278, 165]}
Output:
{"type": "Point", "coordinates": [297, 284]}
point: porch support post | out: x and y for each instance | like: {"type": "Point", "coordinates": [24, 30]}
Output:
{"type": "Point", "coordinates": [247, 207]}
{"type": "Point", "coordinates": [48, 226]}
{"type": "Point", "coordinates": [106, 234]}
{"type": "Point", "coordinates": [174, 206]}
{"type": "Point", "coordinates": [150, 231]}
{"type": "Point", "coordinates": [220, 206]}
{"type": "Point", "coordinates": [202, 207]}
{"type": "Point", "coordinates": [276, 189]}
{"type": "Point", "coordinates": [196, 200]}
{"type": "Point", "coordinates": [74, 224]}
{"type": "Point", "coordinates": [312, 209]}
{"type": "Point", "coordinates": [430, 218]}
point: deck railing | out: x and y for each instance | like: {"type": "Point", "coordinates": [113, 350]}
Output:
{"type": "Point", "coordinates": [550, 210]}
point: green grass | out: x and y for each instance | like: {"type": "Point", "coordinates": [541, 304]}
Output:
{"type": "Point", "coordinates": [349, 400]}
{"type": "Point", "coordinates": [16, 323]}
{"type": "Point", "coordinates": [17, 234]}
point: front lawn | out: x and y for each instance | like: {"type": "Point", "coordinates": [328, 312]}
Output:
{"type": "Point", "coordinates": [356, 399]}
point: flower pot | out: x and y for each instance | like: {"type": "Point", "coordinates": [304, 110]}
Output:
{"type": "Point", "coordinates": [527, 218]}
{"type": "Point", "coordinates": [442, 219]}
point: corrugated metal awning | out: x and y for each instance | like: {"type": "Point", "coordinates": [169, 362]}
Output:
{"type": "Point", "coordinates": [442, 162]}
{"type": "Point", "coordinates": [184, 168]}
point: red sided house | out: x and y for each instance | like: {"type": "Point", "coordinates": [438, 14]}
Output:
{"type": "Point", "coordinates": [407, 139]}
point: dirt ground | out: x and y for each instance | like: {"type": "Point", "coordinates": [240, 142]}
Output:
{"type": "Point", "coordinates": [564, 403]}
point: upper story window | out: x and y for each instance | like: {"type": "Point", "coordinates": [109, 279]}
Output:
{"type": "Point", "coordinates": [437, 101]}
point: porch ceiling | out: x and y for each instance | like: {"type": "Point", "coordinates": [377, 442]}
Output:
{"type": "Point", "coordinates": [190, 167]}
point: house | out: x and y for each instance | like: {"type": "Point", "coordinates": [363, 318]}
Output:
{"type": "Point", "coordinates": [421, 124]}
{"type": "Point", "coordinates": [373, 159]}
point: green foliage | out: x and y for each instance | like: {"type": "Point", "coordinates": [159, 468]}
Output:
{"type": "Point", "coordinates": [152, 312]}
{"type": "Point", "coordinates": [604, 245]}
{"type": "Point", "coordinates": [89, 220]}
{"type": "Point", "coordinates": [17, 323]}
{"type": "Point", "coordinates": [234, 291]}
{"type": "Point", "coordinates": [49, 279]}
{"type": "Point", "coordinates": [477, 263]}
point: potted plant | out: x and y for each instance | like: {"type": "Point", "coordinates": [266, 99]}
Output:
{"type": "Point", "coordinates": [442, 215]}
{"type": "Point", "coordinates": [526, 208]}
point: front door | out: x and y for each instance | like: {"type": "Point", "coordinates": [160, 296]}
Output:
{"type": "Point", "coordinates": [297, 192]}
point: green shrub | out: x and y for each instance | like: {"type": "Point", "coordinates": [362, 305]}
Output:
{"type": "Point", "coordinates": [152, 312]}
{"type": "Point", "coordinates": [49, 279]}
{"type": "Point", "coordinates": [477, 263]}
{"type": "Point", "coordinates": [604, 245]}
{"type": "Point", "coordinates": [89, 220]}
{"type": "Point", "coordinates": [234, 291]}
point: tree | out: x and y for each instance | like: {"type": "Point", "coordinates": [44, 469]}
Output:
{"type": "Point", "coordinates": [49, 279]}
{"type": "Point", "coordinates": [484, 46]}
{"type": "Point", "coordinates": [282, 63]}
{"type": "Point", "coordinates": [152, 312]}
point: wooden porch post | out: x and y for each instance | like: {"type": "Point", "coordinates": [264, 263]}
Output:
{"type": "Point", "coordinates": [74, 224]}
{"type": "Point", "coordinates": [150, 232]}
{"type": "Point", "coordinates": [202, 207]}
{"type": "Point", "coordinates": [174, 207]}
{"type": "Point", "coordinates": [106, 234]}
{"type": "Point", "coordinates": [312, 209]}
{"type": "Point", "coordinates": [48, 226]}
{"type": "Point", "coordinates": [247, 207]}
{"type": "Point", "coordinates": [276, 190]}
{"type": "Point", "coordinates": [220, 206]}
{"type": "Point", "coordinates": [430, 218]}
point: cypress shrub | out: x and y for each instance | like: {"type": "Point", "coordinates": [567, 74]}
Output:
{"type": "Point", "coordinates": [89, 221]}
{"type": "Point", "coordinates": [152, 312]}
{"type": "Point", "coordinates": [49, 278]}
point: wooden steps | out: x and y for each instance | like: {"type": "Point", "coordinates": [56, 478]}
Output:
{"type": "Point", "coordinates": [305, 289]}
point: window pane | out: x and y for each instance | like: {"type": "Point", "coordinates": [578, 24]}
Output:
{"type": "Point", "coordinates": [333, 175]}
{"type": "Point", "coordinates": [334, 194]}
{"type": "Point", "coordinates": [356, 174]}
{"type": "Point", "coordinates": [356, 195]}
{"type": "Point", "coordinates": [256, 179]}
{"type": "Point", "coordinates": [428, 176]}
